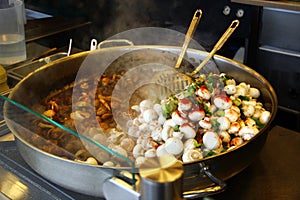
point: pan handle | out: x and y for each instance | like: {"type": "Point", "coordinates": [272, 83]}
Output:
{"type": "Point", "coordinates": [219, 186]}
{"type": "Point", "coordinates": [121, 41]}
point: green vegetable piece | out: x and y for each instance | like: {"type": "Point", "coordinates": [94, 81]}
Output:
{"type": "Point", "coordinates": [244, 98]}
{"type": "Point", "coordinates": [215, 124]}
{"type": "Point", "coordinates": [220, 113]}
{"type": "Point", "coordinates": [168, 108]}
{"type": "Point", "coordinates": [176, 128]}
{"type": "Point", "coordinates": [206, 110]}
{"type": "Point", "coordinates": [196, 144]}
{"type": "Point", "coordinates": [210, 153]}
{"type": "Point", "coordinates": [237, 102]}
{"type": "Point", "coordinates": [257, 122]}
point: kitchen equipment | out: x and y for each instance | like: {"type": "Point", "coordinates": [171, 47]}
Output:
{"type": "Point", "coordinates": [189, 35]}
{"type": "Point", "coordinates": [12, 36]}
{"type": "Point", "coordinates": [234, 24]}
{"type": "Point", "coordinates": [162, 178]}
{"type": "Point", "coordinates": [23, 70]}
{"type": "Point", "coordinates": [91, 178]}
{"type": "Point", "coordinates": [178, 81]}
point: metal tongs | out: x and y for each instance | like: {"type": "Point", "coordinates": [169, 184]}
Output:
{"type": "Point", "coordinates": [190, 33]}
{"type": "Point", "coordinates": [234, 24]}
{"type": "Point", "coordinates": [175, 81]}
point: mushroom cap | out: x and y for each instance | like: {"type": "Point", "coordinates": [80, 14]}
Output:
{"type": "Point", "coordinates": [174, 146]}
{"type": "Point", "coordinates": [211, 140]}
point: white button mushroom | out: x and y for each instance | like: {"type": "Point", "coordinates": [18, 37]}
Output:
{"type": "Point", "coordinates": [178, 135]}
{"type": "Point", "coordinates": [161, 151]}
{"type": "Point", "coordinates": [230, 89]}
{"type": "Point", "coordinates": [230, 82]}
{"type": "Point", "coordinates": [222, 101]}
{"type": "Point", "coordinates": [192, 155]}
{"type": "Point", "coordinates": [150, 153]}
{"type": "Point", "coordinates": [224, 123]}
{"type": "Point", "coordinates": [236, 141]}
{"type": "Point", "coordinates": [116, 137]}
{"type": "Point", "coordinates": [108, 164]}
{"type": "Point", "coordinates": [188, 131]}
{"type": "Point", "coordinates": [196, 115]}
{"type": "Point", "coordinates": [145, 104]}
{"type": "Point", "coordinates": [205, 123]}
{"type": "Point", "coordinates": [143, 127]}
{"type": "Point", "coordinates": [224, 135]}
{"type": "Point", "coordinates": [158, 109]}
{"type": "Point", "coordinates": [251, 102]}
{"type": "Point", "coordinates": [189, 144]}
{"type": "Point", "coordinates": [169, 122]}
{"type": "Point", "coordinates": [265, 117]}
{"type": "Point", "coordinates": [135, 122]}
{"type": "Point", "coordinates": [184, 104]}
{"type": "Point", "coordinates": [247, 132]}
{"type": "Point", "coordinates": [149, 115]}
{"type": "Point", "coordinates": [250, 122]}
{"type": "Point", "coordinates": [138, 150]}
{"type": "Point", "coordinates": [140, 160]}
{"type": "Point", "coordinates": [257, 113]}
{"type": "Point", "coordinates": [203, 92]}
{"type": "Point", "coordinates": [244, 85]}
{"type": "Point", "coordinates": [254, 92]}
{"type": "Point", "coordinates": [241, 91]}
{"type": "Point", "coordinates": [141, 119]}
{"type": "Point", "coordinates": [156, 134]}
{"type": "Point", "coordinates": [236, 109]}
{"type": "Point", "coordinates": [161, 120]}
{"type": "Point", "coordinates": [91, 161]}
{"type": "Point", "coordinates": [166, 132]}
{"type": "Point", "coordinates": [211, 140]}
{"type": "Point", "coordinates": [174, 146]}
{"type": "Point", "coordinates": [178, 119]}
{"type": "Point", "coordinates": [231, 114]}
{"type": "Point", "coordinates": [248, 110]}
{"type": "Point", "coordinates": [148, 143]}
{"type": "Point", "coordinates": [234, 128]}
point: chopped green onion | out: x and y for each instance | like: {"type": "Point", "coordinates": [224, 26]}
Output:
{"type": "Point", "coordinates": [244, 98]}
{"type": "Point", "coordinates": [215, 125]}
{"type": "Point", "coordinates": [206, 110]}
{"type": "Point", "coordinates": [176, 128]}
{"type": "Point", "coordinates": [237, 102]}
{"type": "Point", "coordinates": [210, 153]}
{"type": "Point", "coordinates": [169, 107]}
{"type": "Point", "coordinates": [196, 144]}
{"type": "Point", "coordinates": [220, 113]}
{"type": "Point", "coordinates": [257, 122]}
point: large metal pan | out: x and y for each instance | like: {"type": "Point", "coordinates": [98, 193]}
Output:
{"type": "Point", "coordinates": [88, 179]}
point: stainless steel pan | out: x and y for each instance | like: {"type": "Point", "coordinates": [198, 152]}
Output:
{"type": "Point", "coordinates": [88, 179]}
